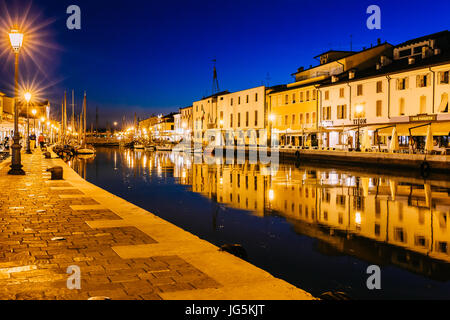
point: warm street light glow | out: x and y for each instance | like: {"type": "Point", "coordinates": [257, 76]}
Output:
{"type": "Point", "coordinates": [359, 109]}
{"type": "Point", "coordinates": [358, 219]}
{"type": "Point", "coordinates": [272, 117]}
{"type": "Point", "coordinates": [34, 111]}
{"type": "Point", "coordinates": [42, 119]}
{"type": "Point", "coordinates": [27, 96]}
{"type": "Point", "coordinates": [16, 39]}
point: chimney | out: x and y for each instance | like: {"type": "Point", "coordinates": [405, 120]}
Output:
{"type": "Point", "coordinates": [378, 41]}
{"type": "Point", "coordinates": [351, 74]}
{"type": "Point", "coordinates": [426, 52]}
{"type": "Point", "coordinates": [300, 69]}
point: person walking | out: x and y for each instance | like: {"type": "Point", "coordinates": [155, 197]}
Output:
{"type": "Point", "coordinates": [41, 141]}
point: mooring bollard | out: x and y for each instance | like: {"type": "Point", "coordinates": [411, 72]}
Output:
{"type": "Point", "coordinates": [47, 155]}
{"type": "Point", "coordinates": [57, 173]}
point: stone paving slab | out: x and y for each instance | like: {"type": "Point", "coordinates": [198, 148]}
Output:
{"type": "Point", "coordinates": [123, 251]}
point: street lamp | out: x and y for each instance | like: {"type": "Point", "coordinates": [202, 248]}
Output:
{"type": "Point", "coordinates": [272, 119]}
{"type": "Point", "coordinates": [34, 111]}
{"type": "Point", "coordinates": [28, 98]}
{"type": "Point", "coordinates": [359, 112]}
{"type": "Point", "coordinates": [16, 39]}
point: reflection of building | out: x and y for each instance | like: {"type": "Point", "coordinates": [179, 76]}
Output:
{"type": "Point", "coordinates": [347, 214]}
{"type": "Point", "coordinates": [407, 89]}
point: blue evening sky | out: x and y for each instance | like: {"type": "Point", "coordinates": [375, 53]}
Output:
{"type": "Point", "coordinates": [155, 56]}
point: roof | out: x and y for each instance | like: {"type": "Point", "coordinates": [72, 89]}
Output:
{"type": "Point", "coordinates": [396, 66]}
{"type": "Point", "coordinates": [190, 107]}
{"type": "Point", "coordinates": [337, 51]}
{"type": "Point", "coordinates": [351, 53]}
{"type": "Point", "coordinates": [436, 35]}
{"type": "Point", "coordinates": [284, 88]}
{"type": "Point", "coordinates": [216, 95]}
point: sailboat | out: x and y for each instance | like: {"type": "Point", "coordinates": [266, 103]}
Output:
{"type": "Point", "coordinates": [84, 148]}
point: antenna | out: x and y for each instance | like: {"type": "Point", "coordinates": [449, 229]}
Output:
{"type": "Point", "coordinates": [268, 78]}
{"type": "Point", "coordinates": [216, 88]}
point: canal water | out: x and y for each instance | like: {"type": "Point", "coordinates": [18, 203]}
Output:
{"type": "Point", "coordinates": [317, 228]}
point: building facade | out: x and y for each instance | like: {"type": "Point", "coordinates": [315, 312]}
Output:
{"type": "Point", "coordinates": [408, 94]}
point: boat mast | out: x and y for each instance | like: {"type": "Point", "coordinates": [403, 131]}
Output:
{"type": "Point", "coordinates": [84, 120]}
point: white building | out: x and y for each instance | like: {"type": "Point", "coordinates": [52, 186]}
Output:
{"type": "Point", "coordinates": [408, 93]}
{"type": "Point", "coordinates": [244, 113]}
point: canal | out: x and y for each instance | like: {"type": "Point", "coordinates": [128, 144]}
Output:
{"type": "Point", "coordinates": [317, 228]}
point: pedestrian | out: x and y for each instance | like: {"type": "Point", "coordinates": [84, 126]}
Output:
{"type": "Point", "coordinates": [41, 141]}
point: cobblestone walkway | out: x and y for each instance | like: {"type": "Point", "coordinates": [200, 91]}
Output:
{"type": "Point", "coordinates": [44, 231]}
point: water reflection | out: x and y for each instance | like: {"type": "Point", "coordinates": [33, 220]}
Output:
{"type": "Point", "coordinates": [383, 220]}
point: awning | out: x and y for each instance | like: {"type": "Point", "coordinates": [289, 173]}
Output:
{"type": "Point", "coordinates": [437, 129]}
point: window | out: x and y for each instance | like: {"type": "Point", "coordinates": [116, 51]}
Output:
{"type": "Point", "coordinates": [221, 115]}
{"type": "Point", "coordinates": [402, 84]}
{"type": "Point", "coordinates": [293, 98]}
{"type": "Point", "coordinates": [314, 94]}
{"type": "Point", "coordinates": [307, 118]}
{"type": "Point", "coordinates": [286, 120]}
{"type": "Point", "coordinates": [443, 77]}
{"type": "Point", "coordinates": [341, 93]}
{"type": "Point", "coordinates": [239, 120]}
{"type": "Point", "coordinates": [359, 90]}
{"type": "Point", "coordinates": [379, 86]}
{"type": "Point", "coordinates": [246, 119]}
{"type": "Point", "coordinates": [326, 113]}
{"type": "Point", "coordinates": [301, 118]}
{"type": "Point", "coordinates": [401, 108]}
{"type": "Point", "coordinates": [342, 111]}
{"type": "Point", "coordinates": [327, 95]}
{"type": "Point", "coordinates": [379, 108]}
{"type": "Point", "coordinates": [404, 53]}
{"type": "Point", "coordinates": [307, 95]}
{"type": "Point", "coordinates": [301, 96]}
{"type": "Point", "coordinates": [423, 104]}
{"type": "Point", "coordinates": [313, 119]}
{"type": "Point", "coordinates": [231, 101]}
{"type": "Point", "coordinates": [422, 81]}
{"type": "Point", "coordinates": [239, 100]}
{"type": "Point", "coordinates": [256, 118]}
{"type": "Point", "coordinates": [293, 119]}
{"type": "Point", "coordinates": [286, 99]}
{"type": "Point", "coordinates": [256, 97]}
{"type": "Point", "coordinates": [231, 121]}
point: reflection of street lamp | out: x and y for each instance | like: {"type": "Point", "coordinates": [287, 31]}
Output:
{"type": "Point", "coordinates": [359, 112]}
{"type": "Point", "coordinates": [28, 98]}
{"type": "Point", "coordinates": [16, 39]}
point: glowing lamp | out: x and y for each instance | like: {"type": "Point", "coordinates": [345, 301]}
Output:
{"type": "Point", "coordinates": [34, 111]}
{"type": "Point", "coordinates": [359, 109]}
{"type": "Point", "coordinates": [27, 96]}
{"type": "Point", "coordinates": [16, 39]}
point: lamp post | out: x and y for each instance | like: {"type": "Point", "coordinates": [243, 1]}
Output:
{"type": "Point", "coordinates": [28, 98]}
{"type": "Point", "coordinates": [272, 119]}
{"type": "Point", "coordinates": [34, 111]}
{"type": "Point", "coordinates": [42, 125]}
{"type": "Point", "coordinates": [359, 111]}
{"type": "Point", "coordinates": [16, 39]}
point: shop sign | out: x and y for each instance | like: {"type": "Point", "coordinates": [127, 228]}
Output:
{"type": "Point", "coordinates": [423, 117]}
